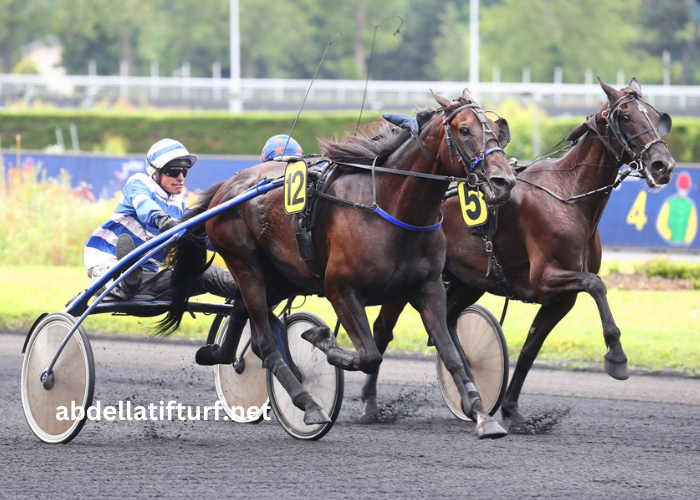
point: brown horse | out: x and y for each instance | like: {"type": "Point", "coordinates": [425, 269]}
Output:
{"type": "Point", "coordinates": [365, 259]}
{"type": "Point", "coordinates": [548, 242]}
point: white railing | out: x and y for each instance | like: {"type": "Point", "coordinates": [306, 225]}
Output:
{"type": "Point", "coordinates": [87, 90]}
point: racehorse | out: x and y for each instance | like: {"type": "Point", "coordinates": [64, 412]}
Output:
{"type": "Point", "coordinates": [364, 258]}
{"type": "Point", "coordinates": [547, 240]}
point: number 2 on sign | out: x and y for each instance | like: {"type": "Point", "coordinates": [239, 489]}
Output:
{"type": "Point", "coordinates": [636, 216]}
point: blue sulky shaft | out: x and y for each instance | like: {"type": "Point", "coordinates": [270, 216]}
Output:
{"type": "Point", "coordinates": [142, 254]}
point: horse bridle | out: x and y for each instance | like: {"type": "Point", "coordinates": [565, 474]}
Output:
{"type": "Point", "coordinates": [637, 168]}
{"type": "Point", "coordinates": [612, 119]}
{"type": "Point", "coordinates": [468, 164]}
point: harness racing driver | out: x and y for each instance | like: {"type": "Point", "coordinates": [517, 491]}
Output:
{"type": "Point", "coordinates": [149, 205]}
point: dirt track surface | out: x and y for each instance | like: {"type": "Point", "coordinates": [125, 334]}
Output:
{"type": "Point", "coordinates": [633, 439]}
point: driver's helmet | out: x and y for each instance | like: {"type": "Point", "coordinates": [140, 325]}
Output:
{"type": "Point", "coordinates": [275, 147]}
{"type": "Point", "coordinates": [167, 151]}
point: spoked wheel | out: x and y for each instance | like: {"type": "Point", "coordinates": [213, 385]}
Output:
{"type": "Point", "coordinates": [324, 382]}
{"type": "Point", "coordinates": [484, 346]}
{"type": "Point", "coordinates": [73, 379]}
{"type": "Point", "coordinates": [241, 384]}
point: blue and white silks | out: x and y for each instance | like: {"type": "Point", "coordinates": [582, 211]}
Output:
{"type": "Point", "coordinates": [141, 204]}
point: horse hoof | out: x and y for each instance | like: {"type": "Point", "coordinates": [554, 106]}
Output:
{"type": "Point", "coordinates": [512, 419]}
{"type": "Point", "coordinates": [490, 429]}
{"type": "Point", "coordinates": [321, 337]}
{"type": "Point", "coordinates": [618, 371]}
{"type": "Point", "coordinates": [371, 412]}
{"type": "Point", "coordinates": [314, 414]}
{"type": "Point", "coordinates": [206, 355]}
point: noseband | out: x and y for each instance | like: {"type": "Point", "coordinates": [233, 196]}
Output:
{"type": "Point", "coordinates": [470, 164]}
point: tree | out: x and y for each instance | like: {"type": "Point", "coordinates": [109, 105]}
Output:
{"type": "Point", "coordinates": [20, 22]}
{"type": "Point", "coordinates": [544, 34]}
{"type": "Point", "coordinates": [104, 30]}
{"type": "Point", "coordinates": [451, 46]}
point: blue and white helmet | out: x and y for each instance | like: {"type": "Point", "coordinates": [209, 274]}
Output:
{"type": "Point", "coordinates": [165, 151]}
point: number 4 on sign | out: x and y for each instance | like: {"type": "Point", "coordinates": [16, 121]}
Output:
{"type": "Point", "coordinates": [636, 217]}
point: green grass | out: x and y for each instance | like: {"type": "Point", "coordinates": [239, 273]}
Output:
{"type": "Point", "coordinates": [660, 330]}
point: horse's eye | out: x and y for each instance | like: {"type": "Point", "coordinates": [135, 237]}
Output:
{"type": "Point", "coordinates": [626, 118]}
{"type": "Point", "coordinates": [464, 131]}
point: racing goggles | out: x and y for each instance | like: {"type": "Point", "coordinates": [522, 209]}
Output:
{"type": "Point", "coordinates": [174, 172]}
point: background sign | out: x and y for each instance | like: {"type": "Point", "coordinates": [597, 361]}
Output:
{"type": "Point", "coordinates": [668, 218]}
{"type": "Point", "coordinates": [634, 217]}
{"type": "Point", "coordinates": [101, 176]}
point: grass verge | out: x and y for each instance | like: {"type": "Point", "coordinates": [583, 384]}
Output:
{"type": "Point", "coordinates": [660, 330]}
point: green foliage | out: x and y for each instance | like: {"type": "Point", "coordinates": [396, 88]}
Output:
{"type": "Point", "coordinates": [285, 38]}
{"type": "Point", "coordinates": [574, 35]}
{"type": "Point", "coordinates": [670, 269]}
{"type": "Point", "coordinates": [613, 268]}
{"type": "Point", "coordinates": [44, 222]}
{"type": "Point", "coordinates": [204, 133]}
{"type": "Point", "coordinates": [222, 133]}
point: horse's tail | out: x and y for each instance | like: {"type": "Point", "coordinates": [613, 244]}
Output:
{"type": "Point", "coordinates": [187, 260]}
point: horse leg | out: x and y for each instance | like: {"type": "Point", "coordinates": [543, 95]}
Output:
{"type": "Point", "coordinates": [214, 354]}
{"type": "Point", "coordinates": [547, 318]}
{"type": "Point", "coordinates": [615, 358]}
{"type": "Point", "coordinates": [352, 315]}
{"type": "Point", "coordinates": [459, 297]}
{"type": "Point", "coordinates": [558, 281]}
{"type": "Point", "coordinates": [264, 344]}
{"type": "Point", "coordinates": [383, 334]}
{"type": "Point", "coordinates": [431, 304]}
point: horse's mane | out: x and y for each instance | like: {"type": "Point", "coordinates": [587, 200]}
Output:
{"type": "Point", "coordinates": [365, 148]}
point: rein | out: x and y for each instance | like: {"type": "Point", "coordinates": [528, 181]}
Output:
{"type": "Point", "coordinates": [472, 179]}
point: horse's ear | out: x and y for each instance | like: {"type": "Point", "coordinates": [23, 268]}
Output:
{"type": "Point", "coordinates": [665, 124]}
{"type": "Point", "coordinates": [503, 132]}
{"type": "Point", "coordinates": [609, 90]}
{"type": "Point", "coordinates": [442, 101]}
{"type": "Point", "coordinates": [467, 96]}
{"type": "Point", "coordinates": [635, 87]}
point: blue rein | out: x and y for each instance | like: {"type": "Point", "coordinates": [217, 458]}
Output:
{"type": "Point", "coordinates": [403, 225]}
{"type": "Point", "coordinates": [486, 153]}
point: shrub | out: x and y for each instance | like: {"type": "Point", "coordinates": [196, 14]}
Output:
{"type": "Point", "coordinates": [671, 269]}
{"type": "Point", "coordinates": [223, 133]}
{"type": "Point", "coordinates": [44, 221]}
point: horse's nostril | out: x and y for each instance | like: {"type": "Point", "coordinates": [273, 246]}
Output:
{"type": "Point", "coordinates": [499, 183]}
{"type": "Point", "coordinates": [659, 167]}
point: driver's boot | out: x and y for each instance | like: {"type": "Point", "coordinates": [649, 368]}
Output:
{"type": "Point", "coordinates": [131, 283]}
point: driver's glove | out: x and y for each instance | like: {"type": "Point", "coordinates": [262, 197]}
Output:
{"type": "Point", "coordinates": [166, 222]}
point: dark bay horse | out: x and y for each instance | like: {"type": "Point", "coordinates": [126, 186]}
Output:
{"type": "Point", "coordinates": [550, 248]}
{"type": "Point", "coordinates": [366, 260]}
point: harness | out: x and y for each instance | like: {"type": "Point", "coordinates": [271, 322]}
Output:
{"type": "Point", "coordinates": [303, 222]}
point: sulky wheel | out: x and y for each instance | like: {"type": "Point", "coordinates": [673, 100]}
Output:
{"type": "Point", "coordinates": [324, 382]}
{"type": "Point", "coordinates": [73, 379]}
{"type": "Point", "coordinates": [245, 389]}
{"type": "Point", "coordinates": [484, 345]}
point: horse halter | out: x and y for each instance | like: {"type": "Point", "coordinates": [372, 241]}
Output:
{"type": "Point", "coordinates": [611, 115]}
{"type": "Point", "coordinates": [470, 164]}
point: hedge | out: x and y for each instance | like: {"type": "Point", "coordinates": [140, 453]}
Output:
{"type": "Point", "coordinates": [222, 133]}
